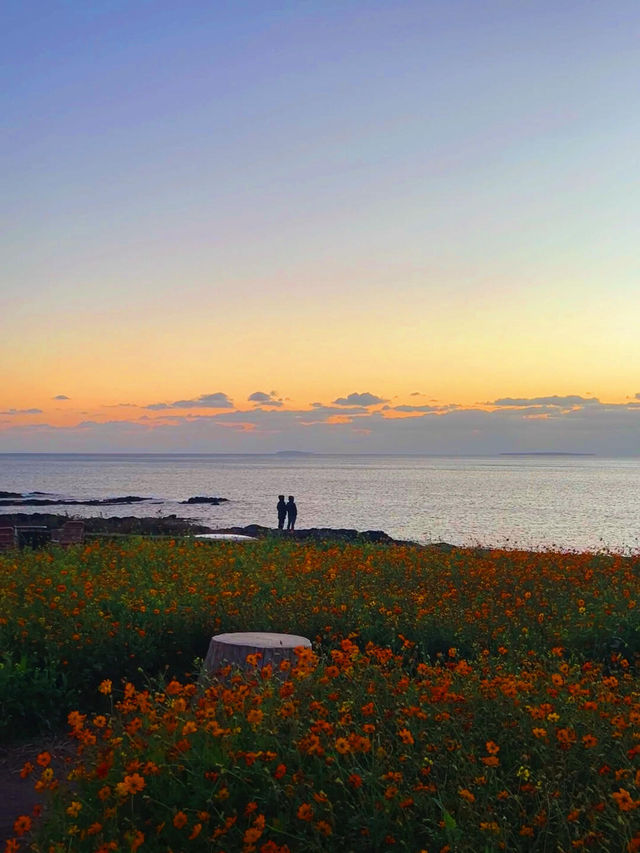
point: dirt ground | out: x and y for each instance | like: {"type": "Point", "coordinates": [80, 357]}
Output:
{"type": "Point", "coordinates": [17, 796]}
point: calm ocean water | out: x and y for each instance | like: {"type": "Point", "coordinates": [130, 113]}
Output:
{"type": "Point", "coordinates": [572, 503]}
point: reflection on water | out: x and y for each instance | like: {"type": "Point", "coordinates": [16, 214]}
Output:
{"type": "Point", "coordinates": [563, 502]}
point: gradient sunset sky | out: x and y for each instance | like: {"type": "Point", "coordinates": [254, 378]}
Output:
{"type": "Point", "coordinates": [324, 226]}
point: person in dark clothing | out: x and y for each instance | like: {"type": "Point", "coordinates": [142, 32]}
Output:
{"type": "Point", "coordinates": [292, 513]}
{"type": "Point", "coordinates": [282, 511]}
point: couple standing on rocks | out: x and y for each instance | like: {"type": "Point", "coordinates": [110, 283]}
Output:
{"type": "Point", "coordinates": [288, 511]}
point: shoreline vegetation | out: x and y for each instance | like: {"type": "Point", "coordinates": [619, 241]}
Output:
{"type": "Point", "coordinates": [455, 699]}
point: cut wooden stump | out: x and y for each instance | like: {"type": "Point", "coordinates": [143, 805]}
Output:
{"type": "Point", "coordinates": [232, 649]}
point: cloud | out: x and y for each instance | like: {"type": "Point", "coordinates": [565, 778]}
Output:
{"type": "Point", "coordinates": [270, 399]}
{"type": "Point", "coordinates": [570, 400]}
{"type": "Point", "coordinates": [424, 408]}
{"type": "Point", "coordinates": [218, 400]}
{"type": "Point", "coordinates": [22, 412]}
{"type": "Point", "coordinates": [608, 429]}
{"type": "Point", "coordinates": [327, 411]}
{"type": "Point", "coordinates": [637, 396]}
{"type": "Point", "coordinates": [355, 399]}
{"type": "Point", "coordinates": [123, 406]}
{"type": "Point", "coordinates": [206, 401]}
{"type": "Point", "coordinates": [61, 397]}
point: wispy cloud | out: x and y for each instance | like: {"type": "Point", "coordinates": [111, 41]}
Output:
{"type": "Point", "coordinates": [218, 400]}
{"type": "Point", "coordinates": [554, 400]}
{"type": "Point", "coordinates": [61, 397]}
{"type": "Point", "coordinates": [22, 412]}
{"type": "Point", "coordinates": [425, 408]}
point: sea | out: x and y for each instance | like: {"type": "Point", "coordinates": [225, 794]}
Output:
{"type": "Point", "coordinates": [559, 502]}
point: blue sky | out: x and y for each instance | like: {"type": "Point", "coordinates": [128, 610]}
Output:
{"type": "Point", "coordinates": [320, 199]}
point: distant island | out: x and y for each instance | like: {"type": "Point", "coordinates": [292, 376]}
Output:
{"type": "Point", "coordinates": [294, 453]}
{"type": "Point", "coordinates": [545, 453]}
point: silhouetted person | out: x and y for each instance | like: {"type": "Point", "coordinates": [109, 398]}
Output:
{"type": "Point", "coordinates": [292, 513]}
{"type": "Point", "coordinates": [282, 511]}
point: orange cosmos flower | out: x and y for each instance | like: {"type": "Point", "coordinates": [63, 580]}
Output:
{"type": "Point", "coordinates": [406, 736]}
{"type": "Point", "coordinates": [195, 832]}
{"type": "Point", "coordinates": [22, 825]}
{"type": "Point", "coordinates": [180, 819]}
{"type": "Point", "coordinates": [342, 746]}
{"type": "Point", "coordinates": [624, 800]}
{"type": "Point", "coordinates": [492, 747]}
{"type": "Point", "coordinates": [131, 784]}
{"type": "Point", "coordinates": [76, 719]}
{"type": "Point", "coordinates": [305, 812]}
{"type": "Point", "coordinates": [105, 687]}
{"type": "Point", "coordinates": [74, 809]}
{"type": "Point", "coordinates": [566, 737]}
{"type": "Point", "coordinates": [255, 716]}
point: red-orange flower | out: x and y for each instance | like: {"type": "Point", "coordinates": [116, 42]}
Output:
{"type": "Point", "coordinates": [22, 825]}
{"type": "Point", "coordinates": [305, 812]}
{"type": "Point", "coordinates": [624, 800]}
{"type": "Point", "coordinates": [180, 819]}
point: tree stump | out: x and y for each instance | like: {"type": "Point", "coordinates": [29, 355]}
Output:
{"type": "Point", "coordinates": [225, 649]}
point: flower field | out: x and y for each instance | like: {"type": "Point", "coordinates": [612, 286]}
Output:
{"type": "Point", "coordinates": [453, 701]}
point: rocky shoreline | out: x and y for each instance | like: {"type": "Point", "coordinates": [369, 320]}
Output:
{"type": "Point", "coordinates": [17, 500]}
{"type": "Point", "coordinates": [173, 525]}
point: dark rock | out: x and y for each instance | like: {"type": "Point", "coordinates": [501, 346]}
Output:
{"type": "Point", "coordinates": [317, 534]}
{"type": "Point", "coordinates": [200, 499]}
{"type": "Point", "coordinates": [128, 499]}
{"type": "Point", "coordinates": [169, 525]}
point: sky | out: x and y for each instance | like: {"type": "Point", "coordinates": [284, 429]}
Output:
{"type": "Point", "coordinates": [347, 226]}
